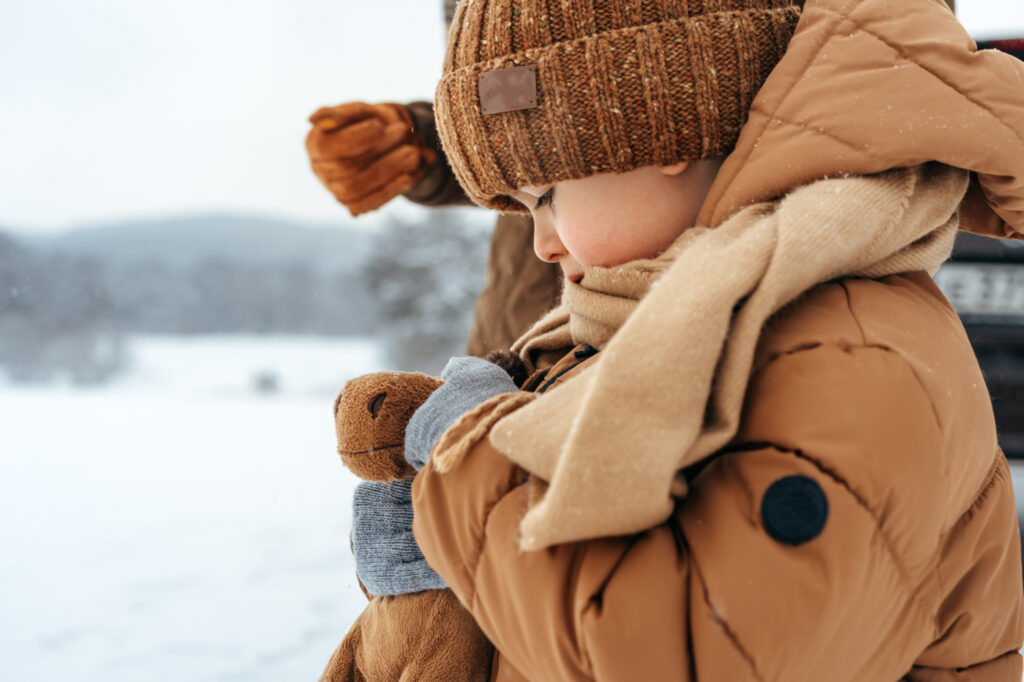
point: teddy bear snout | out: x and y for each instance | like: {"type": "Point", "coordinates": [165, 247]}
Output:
{"type": "Point", "coordinates": [375, 403]}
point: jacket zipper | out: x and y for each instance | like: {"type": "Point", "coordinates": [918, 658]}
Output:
{"type": "Point", "coordinates": [583, 354]}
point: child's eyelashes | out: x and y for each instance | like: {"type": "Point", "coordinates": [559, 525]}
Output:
{"type": "Point", "coordinates": [545, 199]}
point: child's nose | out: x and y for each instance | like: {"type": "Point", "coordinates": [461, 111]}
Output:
{"type": "Point", "coordinates": [546, 244]}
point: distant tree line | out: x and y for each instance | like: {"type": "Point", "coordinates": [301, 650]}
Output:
{"type": "Point", "coordinates": [67, 314]}
{"type": "Point", "coordinates": [52, 310]}
{"type": "Point", "coordinates": [219, 296]}
{"type": "Point", "coordinates": [424, 277]}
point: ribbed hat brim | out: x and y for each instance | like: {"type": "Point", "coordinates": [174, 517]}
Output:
{"type": "Point", "coordinates": [653, 94]}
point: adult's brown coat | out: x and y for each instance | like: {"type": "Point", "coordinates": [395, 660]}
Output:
{"type": "Point", "coordinates": [519, 287]}
{"type": "Point", "coordinates": [867, 387]}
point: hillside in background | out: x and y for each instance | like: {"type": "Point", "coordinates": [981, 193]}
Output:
{"type": "Point", "coordinates": [187, 240]}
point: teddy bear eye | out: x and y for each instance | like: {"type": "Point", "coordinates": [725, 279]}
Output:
{"type": "Point", "coordinates": [375, 402]}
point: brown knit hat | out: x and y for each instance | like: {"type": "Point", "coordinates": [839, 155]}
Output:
{"type": "Point", "coordinates": [601, 86]}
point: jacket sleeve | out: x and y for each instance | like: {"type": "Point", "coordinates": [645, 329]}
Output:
{"type": "Point", "coordinates": [710, 594]}
{"type": "Point", "coordinates": [438, 187]}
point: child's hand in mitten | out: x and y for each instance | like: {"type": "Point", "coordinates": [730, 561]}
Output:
{"type": "Point", "coordinates": [388, 560]}
{"type": "Point", "coordinates": [468, 382]}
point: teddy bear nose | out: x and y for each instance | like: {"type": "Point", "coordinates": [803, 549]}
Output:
{"type": "Point", "coordinates": [375, 402]}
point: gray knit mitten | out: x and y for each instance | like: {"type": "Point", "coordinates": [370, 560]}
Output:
{"type": "Point", "coordinates": [468, 382]}
{"type": "Point", "coordinates": [388, 560]}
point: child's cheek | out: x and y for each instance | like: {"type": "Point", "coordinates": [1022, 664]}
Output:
{"type": "Point", "coordinates": [591, 229]}
{"type": "Point", "coordinates": [592, 243]}
{"type": "Point", "coordinates": [574, 241]}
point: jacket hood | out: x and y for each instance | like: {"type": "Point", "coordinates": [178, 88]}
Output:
{"type": "Point", "coordinates": [864, 88]}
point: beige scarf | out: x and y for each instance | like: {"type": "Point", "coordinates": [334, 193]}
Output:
{"type": "Point", "coordinates": [679, 334]}
{"type": "Point", "coordinates": [593, 310]}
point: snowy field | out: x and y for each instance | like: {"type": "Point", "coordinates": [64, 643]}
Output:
{"type": "Point", "coordinates": [177, 524]}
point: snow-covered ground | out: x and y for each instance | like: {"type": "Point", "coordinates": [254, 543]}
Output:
{"type": "Point", "coordinates": [177, 524]}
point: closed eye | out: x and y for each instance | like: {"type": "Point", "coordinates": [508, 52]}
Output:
{"type": "Point", "coordinates": [545, 199]}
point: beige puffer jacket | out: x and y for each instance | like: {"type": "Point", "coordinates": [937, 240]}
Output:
{"type": "Point", "coordinates": [866, 387]}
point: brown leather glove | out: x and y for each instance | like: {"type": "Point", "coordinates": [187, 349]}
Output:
{"type": "Point", "coordinates": [366, 154]}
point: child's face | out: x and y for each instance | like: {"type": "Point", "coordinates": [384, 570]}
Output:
{"type": "Point", "coordinates": [613, 218]}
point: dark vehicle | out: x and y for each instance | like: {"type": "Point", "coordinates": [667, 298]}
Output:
{"type": "Point", "coordinates": [1014, 46]}
{"type": "Point", "coordinates": [985, 283]}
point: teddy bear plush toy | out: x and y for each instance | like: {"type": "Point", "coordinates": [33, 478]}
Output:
{"type": "Point", "coordinates": [423, 635]}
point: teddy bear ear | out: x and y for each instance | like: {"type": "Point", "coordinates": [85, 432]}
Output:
{"type": "Point", "coordinates": [337, 403]}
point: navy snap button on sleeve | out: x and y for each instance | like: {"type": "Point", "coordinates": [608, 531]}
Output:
{"type": "Point", "coordinates": [794, 510]}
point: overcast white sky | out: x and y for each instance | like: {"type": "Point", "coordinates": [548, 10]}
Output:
{"type": "Point", "coordinates": [115, 109]}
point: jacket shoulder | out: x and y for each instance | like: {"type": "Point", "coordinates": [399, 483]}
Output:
{"type": "Point", "coordinates": [877, 382]}
{"type": "Point", "coordinates": [901, 312]}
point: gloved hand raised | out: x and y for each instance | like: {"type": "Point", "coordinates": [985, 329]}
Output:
{"type": "Point", "coordinates": [366, 154]}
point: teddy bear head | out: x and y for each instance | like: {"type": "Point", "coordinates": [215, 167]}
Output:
{"type": "Point", "coordinates": [370, 416]}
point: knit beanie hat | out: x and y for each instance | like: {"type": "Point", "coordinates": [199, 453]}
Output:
{"type": "Point", "coordinates": [539, 91]}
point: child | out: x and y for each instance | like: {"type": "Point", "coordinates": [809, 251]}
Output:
{"type": "Point", "coordinates": [760, 449]}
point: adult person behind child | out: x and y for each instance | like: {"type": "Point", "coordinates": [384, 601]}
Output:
{"type": "Point", "coordinates": [766, 451]}
{"type": "Point", "coordinates": [370, 154]}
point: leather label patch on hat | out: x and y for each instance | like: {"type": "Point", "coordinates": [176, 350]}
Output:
{"type": "Point", "coordinates": [508, 89]}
